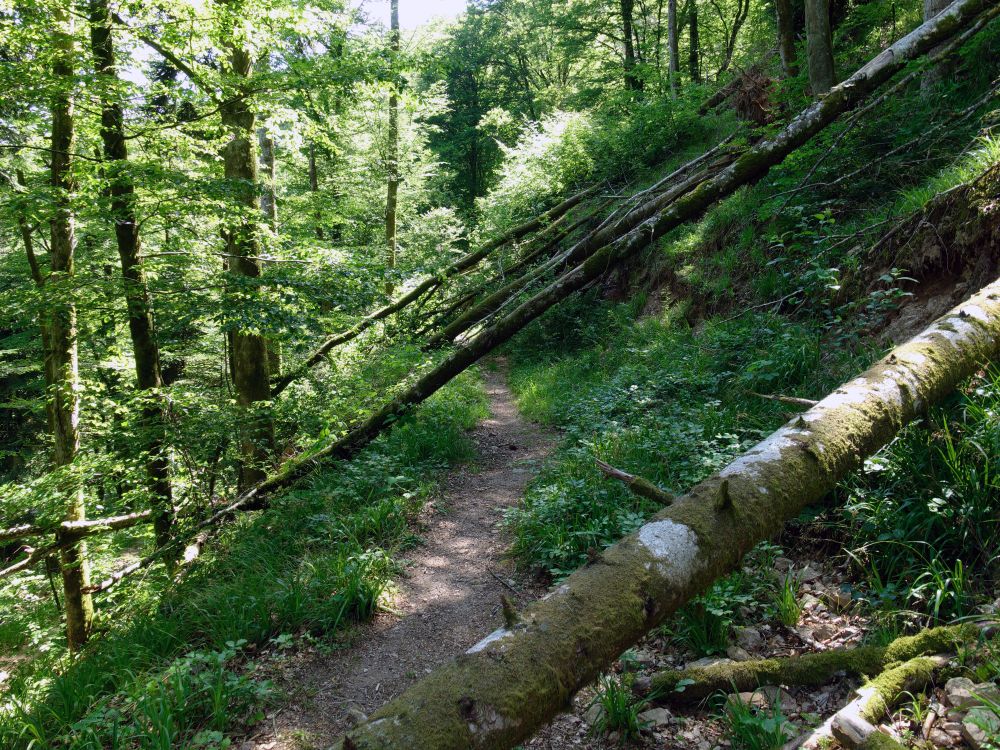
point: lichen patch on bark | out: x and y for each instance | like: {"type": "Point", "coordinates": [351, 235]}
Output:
{"type": "Point", "coordinates": [674, 546]}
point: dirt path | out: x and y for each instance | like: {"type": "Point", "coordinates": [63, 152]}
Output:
{"type": "Point", "coordinates": [449, 598]}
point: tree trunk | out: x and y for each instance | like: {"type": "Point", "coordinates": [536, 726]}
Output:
{"type": "Point", "coordinates": [785, 22]}
{"type": "Point", "coordinates": [819, 43]}
{"type": "Point", "coordinates": [142, 327]}
{"type": "Point", "coordinates": [392, 160]}
{"type": "Point", "coordinates": [268, 194]}
{"type": "Point", "coordinates": [514, 680]}
{"type": "Point", "coordinates": [632, 81]}
{"type": "Point", "coordinates": [314, 189]}
{"type": "Point", "coordinates": [938, 73]}
{"type": "Point", "coordinates": [694, 48]}
{"type": "Point", "coordinates": [249, 357]}
{"type": "Point", "coordinates": [269, 208]}
{"type": "Point", "coordinates": [62, 367]}
{"type": "Point", "coordinates": [673, 61]}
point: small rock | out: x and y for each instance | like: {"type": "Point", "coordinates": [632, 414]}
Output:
{"type": "Point", "coordinates": [777, 696]}
{"type": "Point", "coordinates": [642, 685]}
{"type": "Point", "coordinates": [708, 661]}
{"type": "Point", "coordinates": [981, 728]}
{"type": "Point", "coordinates": [823, 632]}
{"type": "Point", "coordinates": [811, 603]}
{"type": "Point", "coordinates": [940, 738]}
{"type": "Point", "coordinates": [783, 564]}
{"type": "Point", "coordinates": [964, 694]}
{"type": "Point", "coordinates": [594, 714]}
{"type": "Point", "coordinates": [644, 658]}
{"type": "Point", "coordinates": [656, 717]}
{"type": "Point", "coordinates": [749, 638]}
{"type": "Point", "coordinates": [356, 716]}
{"type": "Point", "coordinates": [838, 598]}
{"type": "Point", "coordinates": [808, 574]}
{"type": "Point", "coordinates": [756, 700]}
{"type": "Point", "coordinates": [737, 654]}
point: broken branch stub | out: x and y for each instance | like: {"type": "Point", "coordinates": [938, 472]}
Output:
{"type": "Point", "coordinates": [516, 679]}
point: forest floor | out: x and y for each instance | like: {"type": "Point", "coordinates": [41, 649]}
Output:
{"type": "Point", "coordinates": [449, 597]}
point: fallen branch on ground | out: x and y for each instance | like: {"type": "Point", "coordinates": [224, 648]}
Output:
{"type": "Point", "coordinates": [637, 485]}
{"type": "Point", "coordinates": [790, 400]}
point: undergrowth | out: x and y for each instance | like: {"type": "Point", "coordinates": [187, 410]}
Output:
{"type": "Point", "coordinates": [175, 669]}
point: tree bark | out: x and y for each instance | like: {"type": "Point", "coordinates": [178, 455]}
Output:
{"type": "Point", "coordinates": [269, 208]}
{"type": "Point", "coordinates": [694, 43]}
{"type": "Point", "coordinates": [268, 194]}
{"type": "Point", "coordinates": [314, 189]}
{"type": "Point", "coordinates": [939, 72]}
{"type": "Point", "coordinates": [785, 22]}
{"type": "Point", "coordinates": [249, 357]}
{"type": "Point", "coordinates": [632, 81]}
{"type": "Point", "coordinates": [673, 55]}
{"type": "Point", "coordinates": [514, 680]}
{"type": "Point", "coordinates": [142, 327]}
{"type": "Point", "coordinates": [392, 160]}
{"type": "Point", "coordinates": [819, 44]}
{"type": "Point", "coordinates": [62, 366]}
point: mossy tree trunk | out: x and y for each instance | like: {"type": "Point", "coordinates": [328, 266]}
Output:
{"type": "Point", "coordinates": [514, 680]}
{"type": "Point", "coordinates": [249, 363]}
{"type": "Point", "coordinates": [60, 330]}
{"type": "Point", "coordinates": [142, 327]}
{"type": "Point", "coordinates": [785, 22]}
{"type": "Point", "coordinates": [819, 46]}
{"type": "Point", "coordinates": [392, 147]}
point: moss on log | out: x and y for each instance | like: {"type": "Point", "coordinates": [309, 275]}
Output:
{"type": "Point", "coordinates": [806, 670]}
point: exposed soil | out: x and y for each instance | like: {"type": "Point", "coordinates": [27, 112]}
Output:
{"type": "Point", "coordinates": [450, 596]}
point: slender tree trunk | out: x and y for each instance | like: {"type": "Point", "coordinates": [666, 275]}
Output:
{"type": "Point", "coordinates": [62, 366]}
{"type": "Point", "coordinates": [819, 41]}
{"type": "Point", "coordinates": [939, 72]}
{"type": "Point", "coordinates": [673, 62]}
{"type": "Point", "coordinates": [250, 367]}
{"type": "Point", "coordinates": [632, 81]}
{"type": "Point", "coordinates": [268, 194]}
{"type": "Point", "coordinates": [785, 22]}
{"type": "Point", "coordinates": [269, 208]}
{"type": "Point", "coordinates": [392, 162]}
{"type": "Point", "coordinates": [314, 189]}
{"type": "Point", "coordinates": [142, 327]}
{"type": "Point", "coordinates": [694, 43]}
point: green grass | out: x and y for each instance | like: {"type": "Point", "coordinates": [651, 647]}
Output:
{"type": "Point", "coordinates": [170, 666]}
{"type": "Point", "coordinates": [756, 728]}
{"type": "Point", "coordinates": [653, 398]}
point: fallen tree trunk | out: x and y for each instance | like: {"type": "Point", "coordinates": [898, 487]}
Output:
{"type": "Point", "coordinates": [614, 228]}
{"type": "Point", "coordinates": [510, 683]}
{"type": "Point", "coordinates": [810, 670]}
{"type": "Point", "coordinates": [460, 266]}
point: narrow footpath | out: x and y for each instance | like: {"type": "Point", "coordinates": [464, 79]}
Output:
{"type": "Point", "coordinates": [449, 597]}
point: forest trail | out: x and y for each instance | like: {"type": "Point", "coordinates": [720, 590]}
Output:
{"type": "Point", "coordinates": [449, 597]}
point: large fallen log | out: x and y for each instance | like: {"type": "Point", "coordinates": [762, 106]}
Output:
{"type": "Point", "coordinates": [514, 680]}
